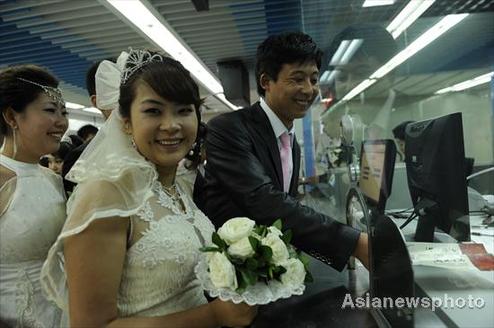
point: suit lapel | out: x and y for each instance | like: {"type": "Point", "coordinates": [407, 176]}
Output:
{"type": "Point", "coordinates": [266, 131]}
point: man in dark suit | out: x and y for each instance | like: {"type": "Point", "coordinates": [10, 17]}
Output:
{"type": "Point", "coordinates": [249, 171]}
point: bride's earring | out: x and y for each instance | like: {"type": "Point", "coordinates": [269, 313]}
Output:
{"type": "Point", "coordinates": [191, 152]}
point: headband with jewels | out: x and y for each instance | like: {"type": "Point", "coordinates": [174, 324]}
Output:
{"type": "Point", "coordinates": [53, 93]}
{"type": "Point", "coordinates": [136, 60]}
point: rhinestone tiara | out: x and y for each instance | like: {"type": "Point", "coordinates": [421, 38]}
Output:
{"type": "Point", "coordinates": [136, 60]}
{"type": "Point", "coordinates": [53, 93]}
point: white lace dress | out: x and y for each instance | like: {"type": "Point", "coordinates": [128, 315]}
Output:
{"type": "Point", "coordinates": [158, 275]}
{"type": "Point", "coordinates": [30, 222]}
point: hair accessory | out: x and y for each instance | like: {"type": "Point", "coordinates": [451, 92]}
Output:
{"type": "Point", "coordinates": [53, 93]}
{"type": "Point", "coordinates": [136, 60]}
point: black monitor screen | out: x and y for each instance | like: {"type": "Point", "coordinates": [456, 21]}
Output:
{"type": "Point", "coordinates": [435, 161]}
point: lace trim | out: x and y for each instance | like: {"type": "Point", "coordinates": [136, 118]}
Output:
{"type": "Point", "coordinates": [146, 212]}
{"type": "Point", "coordinates": [172, 203]}
{"type": "Point", "coordinates": [153, 248]}
{"type": "Point", "coordinates": [24, 302]}
{"type": "Point", "coordinates": [258, 294]}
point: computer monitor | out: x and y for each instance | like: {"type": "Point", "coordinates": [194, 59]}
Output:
{"type": "Point", "coordinates": [377, 159]}
{"type": "Point", "coordinates": [435, 162]}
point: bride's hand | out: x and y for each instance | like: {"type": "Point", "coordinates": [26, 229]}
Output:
{"type": "Point", "coordinates": [233, 315]}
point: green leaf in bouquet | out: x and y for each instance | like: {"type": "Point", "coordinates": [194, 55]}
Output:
{"type": "Point", "coordinates": [235, 260]}
{"type": "Point", "coordinates": [266, 252]}
{"type": "Point", "coordinates": [218, 241]}
{"type": "Point", "coordinates": [308, 276]}
{"type": "Point", "coordinates": [304, 259]}
{"type": "Point", "coordinates": [251, 264]}
{"type": "Point", "coordinates": [254, 242]}
{"type": "Point", "coordinates": [210, 249]}
{"type": "Point", "coordinates": [261, 230]}
{"type": "Point", "coordinates": [287, 236]}
{"type": "Point", "coordinates": [250, 277]}
{"type": "Point", "coordinates": [278, 270]}
{"type": "Point", "coordinates": [270, 272]}
{"type": "Point", "coordinates": [242, 284]}
{"type": "Point", "coordinates": [277, 224]}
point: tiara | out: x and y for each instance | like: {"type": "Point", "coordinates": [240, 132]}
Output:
{"type": "Point", "coordinates": [53, 93]}
{"type": "Point", "coordinates": [136, 60]}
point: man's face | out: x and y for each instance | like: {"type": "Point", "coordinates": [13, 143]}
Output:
{"type": "Point", "coordinates": [291, 95]}
{"type": "Point", "coordinates": [350, 75]}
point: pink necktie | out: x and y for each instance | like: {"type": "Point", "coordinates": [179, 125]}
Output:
{"type": "Point", "coordinates": [286, 158]}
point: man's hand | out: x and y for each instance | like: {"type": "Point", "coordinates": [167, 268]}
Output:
{"type": "Point", "coordinates": [362, 250]}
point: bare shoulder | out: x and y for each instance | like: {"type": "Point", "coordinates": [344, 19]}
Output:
{"type": "Point", "coordinates": [5, 175]}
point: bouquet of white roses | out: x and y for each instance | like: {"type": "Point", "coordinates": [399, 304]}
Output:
{"type": "Point", "coordinates": [252, 263]}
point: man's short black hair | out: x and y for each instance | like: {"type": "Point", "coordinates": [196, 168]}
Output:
{"type": "Point", "coordinates": [286, 48]}
{"type": "Point", "coordinates": [86, 131]}
{"type": "Point", "coordinates": [399, 130]}
{"type": "Point", "coordinates": [90, 80]}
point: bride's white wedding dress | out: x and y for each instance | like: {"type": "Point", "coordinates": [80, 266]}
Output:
{"type": "Point", "coordinates": [30, 221]}
{"type": "Point", "coordinates": [165, 234]}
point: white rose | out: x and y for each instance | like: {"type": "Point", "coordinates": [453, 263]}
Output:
{"type": "Point", "coordinates": [241, 249]}
{"type": "Point", "coordinates": [280, 252]}
{"type": "Point", "coordinates": [235, 229]}
{"type": "Point", "coordinates": [275, 231]}
{"type": "Point", "coordinates": [222, 272]}
{"type": "Point", "coordinates": [295, 272]}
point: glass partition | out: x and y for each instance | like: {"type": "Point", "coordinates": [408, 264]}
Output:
{"type": "Point", "coordinates": [385, 65]}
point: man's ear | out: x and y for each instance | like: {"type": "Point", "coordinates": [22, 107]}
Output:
{"type": "Point", "coordinates": [264, 80]}
{"type": "Point", "coordinates": [93, 100]}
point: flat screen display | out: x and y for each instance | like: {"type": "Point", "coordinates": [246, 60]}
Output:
{"type": "Point", "coordinates": [372, 170]}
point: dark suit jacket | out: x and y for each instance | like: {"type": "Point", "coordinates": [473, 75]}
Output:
{"type": "Point", "coordinates": [244, 178]}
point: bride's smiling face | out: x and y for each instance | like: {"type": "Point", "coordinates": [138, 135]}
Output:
{"type": "Point", "coordinates": [163, 131]}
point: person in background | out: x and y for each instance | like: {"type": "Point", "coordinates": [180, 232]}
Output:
{"type": "Point", "coordinates": [106, 110]}
{"type": "Point", "coordinates": [32, 202]}
{"type": "Point", "coordinates": [131, 220]}
{"type": "Point", "coordinates": [254, 158]}
{"type": "Point", "coordinates": [55, 160]}
{"type": "Point", "coordinates": [399, 136]}
{"type": "Point", "coordinates": [87, 132]}
{"type": "Point", "coordinates": [75, 140]}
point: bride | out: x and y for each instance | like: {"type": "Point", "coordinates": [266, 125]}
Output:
{"type": "Point", "coordinates": [127, 252]}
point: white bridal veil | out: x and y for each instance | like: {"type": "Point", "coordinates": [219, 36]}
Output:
{"type": "Point", "coordinates": [113, 179]}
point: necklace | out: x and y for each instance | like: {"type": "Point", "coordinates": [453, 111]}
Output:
{"type": "Point", "coordinates": [170, 197]}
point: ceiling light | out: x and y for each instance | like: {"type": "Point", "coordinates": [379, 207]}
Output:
{"type": "Point", "coordinates": [375, 3]}
{"type": "Point", "coordinates": [422, 41]}
{"type": "Point", "coordinates": [345, 52]}
{"type": "Point", "coordinates": [358, 89]}
{"type": "Point", "coordinates": [148, 21]}
{"type": "Point", "coordinates": [485, 78]}
{"type": "Point", "coordinates": [328, 77]}
{"type": "Point", "coordinates": [407, 16]}
{"type": "Point", "coordinates": [73, 105]}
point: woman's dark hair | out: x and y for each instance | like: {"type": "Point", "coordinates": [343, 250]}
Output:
{"type": "Point", "coordinates": [171, 81]}
{"type": "Point", "coordinates": [286, 48]}
{"type": "Point", "coordinates": [17, 94]}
